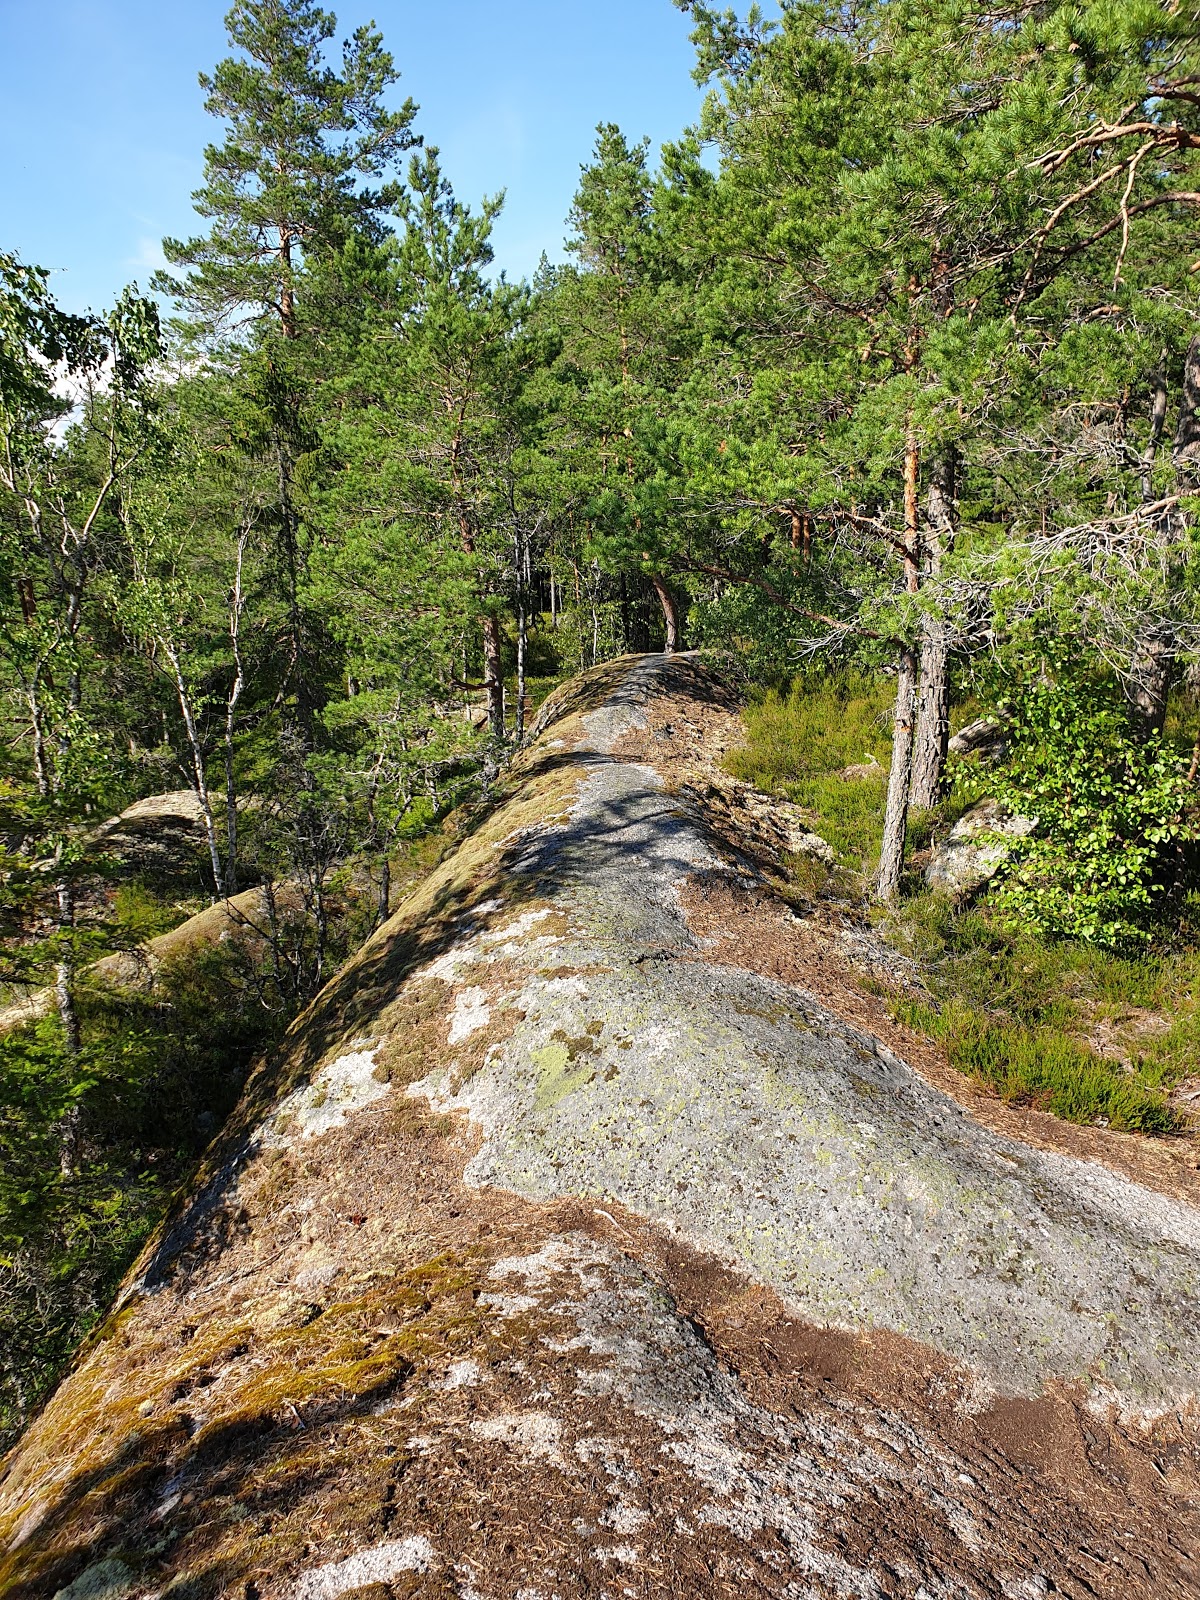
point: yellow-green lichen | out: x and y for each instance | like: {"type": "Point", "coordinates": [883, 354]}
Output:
{"type": "Point", "coordinates": [559, 1074]}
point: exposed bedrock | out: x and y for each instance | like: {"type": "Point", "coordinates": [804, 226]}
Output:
{"type": "Point", "coordinates": [743, 1113]}
{"type": "Point", "coordinates": [561, 1252]}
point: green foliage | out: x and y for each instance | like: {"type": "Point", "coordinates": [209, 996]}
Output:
{"type": "Point", "coordinates": [904, 368]}
{"type": "Point", "coordinates": [1112, 810]}
{"type": "Point", "coordinates": [155, 1077]}
{"type": "Point", "coordinates": [1040, 1067]}
{"type": "Point", "coordinates": [799, 740]}
{"type": "Point", "coordinates": [289, 180]}
{"type": "Point", "coordinates": [1015, 1005]}
{"type": "Point", "coordinates": [36, 336]}
{"type": "Point", "coordinates": [1169, 1055]}
{"type": "Point", "coordinates": [1020, 1012]}
{"type": "Point", "coordinates": [141, 914]}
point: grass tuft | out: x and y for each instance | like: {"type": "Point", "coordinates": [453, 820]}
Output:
{"type": "Point", "coordinates": [1044, 1068]}
{"type": "Point", "coordinates": [1016, 1012]}
{"type": "Point", "coordinates": [798, 742]}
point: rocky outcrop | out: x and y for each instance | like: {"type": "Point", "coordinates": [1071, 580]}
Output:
{"type": "Point", "coordinates": [241, 922]}
{"type": "Point", "coordinates": [159, 837]}
{"type": "Point", "coordinates": [596, 1233]}
{"type": "Point", "coordinates": [162, 835]}
{"type": "Point", "coordinates": [975, 849]}
{"type": "Point", "coordinates": [984, 737]}
{"type": "Point", "coordinates": [870, 768]}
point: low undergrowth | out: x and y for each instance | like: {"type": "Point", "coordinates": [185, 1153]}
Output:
{"type": "Point", "coordinates": [1093, 1035]}
{"type": "Point", "coordinates": [94, 1144]}
{"type": "Point", "coordinates": [799, 741]}
{"type": "Point", "coordinates": [1090, 1035]}
{"type": "Point", "coordinates": [155, 1078]}
{"type": "Point", "coordinates": [1044, 1068]}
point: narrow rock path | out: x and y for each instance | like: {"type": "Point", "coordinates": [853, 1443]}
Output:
{"type": "Point", "coordinates": [559, 1253]}
{"type": "Point", "coordinates": [743, 1113]}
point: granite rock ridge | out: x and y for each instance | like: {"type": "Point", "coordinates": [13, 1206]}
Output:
{"type": "Point", "coordinates": [596, 1233]}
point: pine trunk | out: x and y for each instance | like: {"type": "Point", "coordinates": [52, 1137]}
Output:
{"type": "Point", "coordinates": [237, 603]}
{"type": "Point", "coordinates": [670, 613]}
{"type": "Point", "coordinates": [493, 676]}
{"type": "Point", "coordinates": [296, 672]}
{"type": "Point", "coordinates": [202, 791]}
{"type": "Point", "coordinates": [70, 1124]}
{"type": "Point", "coordinates": [1152, 661]}
{"type": "Point", "coordinates": [933, 721]}
{"type": "Point", "coordinates": [933, 709]}
{"type": "Point", "coordinates": [1158, 417]}
{"type": "Point", "coordinates": [895, 818]}
{"type": "Point", "coordinates": [1150, 682]}
{"type": "Point", "coordinates": [1186, 452]}
{"type": "Point", "coordinates": [522, 660]}
{"type": "Point", "coordinates": [384, 903]}
{"type": "Point", "coordinates": [231, 820]}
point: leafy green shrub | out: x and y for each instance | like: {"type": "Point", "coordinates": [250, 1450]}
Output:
{"type": "Point", "coordinates": [1110, 809]}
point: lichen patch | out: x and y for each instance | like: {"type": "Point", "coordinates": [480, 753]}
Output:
{"type": "Point", "coordinates": [103, 1580]}
{"type": "Point", "coordinates": [345, 1086]}
{"type": "Point", "coordinates": [471, 1012]}
{"type": "Point", "coordinates": [533, 1435]}
{"type": "Point", "coordinates": [381, 1564]}
{"type": "Point", "coordinates": [517, 930]}
{"type": "Point", "coordinates": [464, 1374]}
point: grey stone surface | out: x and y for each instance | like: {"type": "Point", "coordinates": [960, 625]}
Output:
{"type": "Point", "coordinates": [984, 736]}
{"type": "Point", "coordinates": [742, 1113]}
{"type": "Point", "coordinates": [975, 849]}
{"type": "Point", "coordinates": [163, 833]}
{"type": "Point", "coordinates": [755, 1471]}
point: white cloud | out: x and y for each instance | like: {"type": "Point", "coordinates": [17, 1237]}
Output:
{"type": "Point", "coordinates": [149, 256]}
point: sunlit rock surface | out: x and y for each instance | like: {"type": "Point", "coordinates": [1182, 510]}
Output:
{"type": "Point", "coordinates": [574, 1246]}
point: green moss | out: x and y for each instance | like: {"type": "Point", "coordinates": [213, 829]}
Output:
{"type": "Point", "coordinates": [141, 914]}
{"type": "Point", "coordinates": [355, 1350]}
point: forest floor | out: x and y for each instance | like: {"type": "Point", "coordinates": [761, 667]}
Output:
{"type": "Point", "coordinates": [600, 1232]}
{"type": "Point", "coordinates": [1097, 1037]}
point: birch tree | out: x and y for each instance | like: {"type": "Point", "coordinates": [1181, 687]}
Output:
{"type": "Point", "coordinates": [58, 495]}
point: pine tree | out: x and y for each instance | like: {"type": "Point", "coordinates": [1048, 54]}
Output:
{"type": "Point", "coordinates": [304, 175]}
{"type": "Point", "coordinates": [424, 497]}
{"type": "Point", "coordinates": [292, 177]}
{"type": "Point", "coordinates": [620, 316]}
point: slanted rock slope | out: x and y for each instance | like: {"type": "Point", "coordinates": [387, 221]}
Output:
{"type": "Point", "coordinates": [596, 1233]}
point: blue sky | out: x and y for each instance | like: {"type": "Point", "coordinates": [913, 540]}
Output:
{"type": "Point", "coordinates": [102, 129]}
